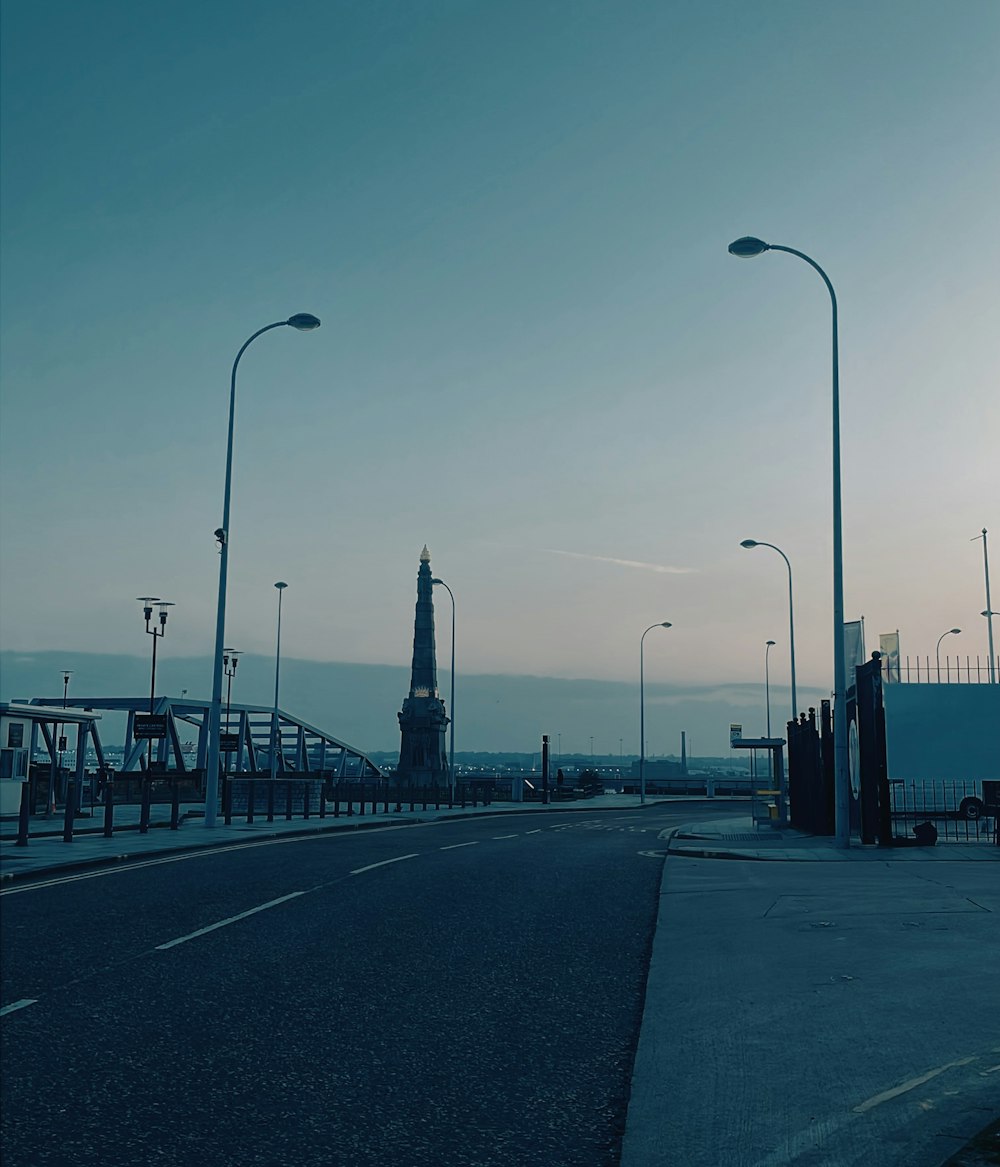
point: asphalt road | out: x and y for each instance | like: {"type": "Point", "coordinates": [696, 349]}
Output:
{"type": "Point", "coordinates": [463, 993]}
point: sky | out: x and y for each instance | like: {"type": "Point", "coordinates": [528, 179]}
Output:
{"type": "Point", "coordinates": [536, 355]}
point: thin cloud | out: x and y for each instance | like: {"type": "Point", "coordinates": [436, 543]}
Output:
{"type": "Point", "coordinates": [660, 568]}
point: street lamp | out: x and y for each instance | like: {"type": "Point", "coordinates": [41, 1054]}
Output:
{"type": "Point", "coordinates": [988, 613]}
{"type": "Point", "coordinates": [642, 711]}
{"type": "Point", "coordinates": [303, 322]}
{"type": "Point", "coordinates": [451, 728]}
{"type": "Point", "coordinates": [157, 633]}
{"type": "Point", "coordinates": [59, 743]}
{"type": "Point", "coordinates": [230, 659]}
{"type": "Point", "coordinates": [747, 248]}
{"type": "Point", "coordinates": [937, 648]}
{"type": "Point", "coordinates": [280, 585]}
{"type": "Point", "coordinates": [791, 616]}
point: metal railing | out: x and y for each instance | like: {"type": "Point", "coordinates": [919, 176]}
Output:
{"type": "Point", "coordinates": [960, 811]}
{"type": "Point", "coordinates": [952, 671]}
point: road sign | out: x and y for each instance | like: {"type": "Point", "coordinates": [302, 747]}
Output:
{"type": "Point", "coordinates": [229, 742]}
{"type": "Point", "coordinates": [149, 725]}
{"type": "Point", "coordinates": [735, 732]}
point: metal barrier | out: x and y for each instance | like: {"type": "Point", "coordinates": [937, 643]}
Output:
{"type": "Point", "coordinates": [960, 811]}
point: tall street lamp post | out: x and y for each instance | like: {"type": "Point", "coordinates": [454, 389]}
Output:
{"type": "Point", "coordinates": [303, 322]}
{"type": "Point", "coordinates": [642, 710]}
{"type": "Point", "coordinates": [937, 648]}
{"type": "Point", "coordinates": [280, 585]}
{"type": "Point", "coordinates": [791, 616]}
{"type": "Point", "coordinates": [767, 701]}
{"type": "Point", "coordinates": [747, 248]}
{"type": "Point", "coordinates": [451, 727]}
{"type": "Point", "coordinates": [988, 613]}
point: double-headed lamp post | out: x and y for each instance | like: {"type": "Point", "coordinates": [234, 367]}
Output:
{"type": "Point", "coordinates": [791, 618]}
{"type": "Point", "coordinates": [303, 322]}
{"type": "Point", "coordinates": [230, 660]}
{"type": "Point", "coordinates": [937, 648]}
{"type": "Point", "coordinates": [275, 737]}
{"type": "Point", "coordinates": [642, 710]}
{"type": "Point", "coordinates": [451, 727]}
{"type": "Point", "coordinates": [988, 610]}
{"type": "Point", "coordinates": [746, 248]}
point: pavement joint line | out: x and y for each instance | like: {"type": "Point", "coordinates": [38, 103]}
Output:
{"type": "Point", "coordinates": [384, 863]}
{"type": "Point", "coordinates": [230, 920]}
{"type": "Point", "coordinates": [910, 1084]}
{"type": "Point", "coordinates": [455, 846]}
{"type": "Point", "coordinates": [15, 1005]}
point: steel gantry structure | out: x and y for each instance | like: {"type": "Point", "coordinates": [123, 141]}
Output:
{"type": "Point", "coordinates": [301, 748]}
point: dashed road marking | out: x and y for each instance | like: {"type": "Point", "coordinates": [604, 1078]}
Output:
{"type": "Point", "coordinates": [453, 846]}
{"type": "Point", "coordinates": [505, 836]}
{"type": "Point", "coordinates": [230, 920]}
{"type": "Point", "coordinates": [536, 831]}
{"type": "Point", "coordinates": [14, 1006]}
{"type": "Point", "coordinates": [384, 863]}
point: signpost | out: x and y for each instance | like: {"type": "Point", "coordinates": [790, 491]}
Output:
{"type": "Point", "coordinates": [149, 725]}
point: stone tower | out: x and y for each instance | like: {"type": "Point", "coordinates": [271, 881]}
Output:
{"type": "Point", "coordinates": [422, 721]}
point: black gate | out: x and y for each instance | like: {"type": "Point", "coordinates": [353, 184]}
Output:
{"type": "Point", "coordinates": [810, 772]}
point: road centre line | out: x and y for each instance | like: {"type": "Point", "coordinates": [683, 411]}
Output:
{"type": "Point", "coordinates": [230, 920]}
{"type": "Point", "coordinates": [453, 846]}
{"type": "Point", "coordinates": [504, 837]}
{"type": "Point", "coordinates": [14, 1006]}
{"type": "Point", "coordinates": [372, 866]}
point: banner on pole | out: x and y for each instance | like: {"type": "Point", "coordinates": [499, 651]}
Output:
{"type": "Point", "coordinates": [888, 646]}
{"type": "Point", "coordinates": [854, 647]}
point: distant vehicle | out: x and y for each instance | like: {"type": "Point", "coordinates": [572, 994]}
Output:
{"type": "Point", "coordinates": [969, 800]}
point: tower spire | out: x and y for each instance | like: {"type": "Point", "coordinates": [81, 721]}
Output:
{"type": "Point", "coordinates": [422, 720]}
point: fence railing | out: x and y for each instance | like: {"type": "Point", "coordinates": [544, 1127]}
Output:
{"type": "Point", "coordinates": [960, 811]}
{"type": "Point", "coordinates": [951, 671]}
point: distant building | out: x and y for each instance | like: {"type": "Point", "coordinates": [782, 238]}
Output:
{"type": "Point", "coordinates": [423, 720]}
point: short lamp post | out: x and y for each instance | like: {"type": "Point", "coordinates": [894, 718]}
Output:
{"type": "Point", "coordinates": [302, 322]}
{"type": "Point", "coordinates": [451, 708]}
{"type": "Point", "coordinates": [230, 659]}
{"type": "Point", "coordinates": [59, 741]}
{"type": "Point", "coordinates": [157, 632]}
{"type": "Point", "coordinates": [746, 248]}
{"type": "Point", "coordinates": [767, 699]}
{"type": "Point", "coordinates": [642, 711]}
{"type": "Point", "coordinates": [937, 649]}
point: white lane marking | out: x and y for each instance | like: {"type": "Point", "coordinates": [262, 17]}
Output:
{"type": "Point", "coordinates": [22, 1004]}
{"type": "Point", "coordinates": [452, 846]}
{"type": "Point", "coordinates": [372, 866]}
{"type": "Point", "coordinates": [912, 1084]}
{"type": "Point", "coordinates": [505, 836]}
{"type": "Point", "coordinates": [230, 920]}
{"type": "Point", "coordinates": [536, 831]}
{"type": "Point", "coordinates": [126, 865]}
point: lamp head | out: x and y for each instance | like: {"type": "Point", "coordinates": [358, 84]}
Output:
{"type": "Point", "coordinates": [666, 624]}
{"type": "Point", "coordinates": [747, 247]}
{"type": "Point", "coordinates": [303, 321]}
{"type": "Point", "coordinates": [749, 543]}
{"type": "Point", "coordinates": [770, 643]}
{"type": "Point", "coordinates": [281, 585]}
{"type": "Point", "coordinates": [954, 631]}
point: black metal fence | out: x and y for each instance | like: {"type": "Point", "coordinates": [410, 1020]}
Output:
{"type": "Point", "coordinates": [944, 671]}
{"type": "Point", "coordinates": [959, 811]}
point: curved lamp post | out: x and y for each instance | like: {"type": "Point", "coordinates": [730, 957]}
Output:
{"type": "Point", "coordinates": [746, 248]}
{"type": "Point", "coordinates": [642, 711]}
{"type": "Point", "coordinates": [451, 729]}
{"type": "Point", "coordinates": [937, 648]}
{"type": "Point", "coordinates": [791, 618]}
{"type": "Point", "coordinates": [303, 322]}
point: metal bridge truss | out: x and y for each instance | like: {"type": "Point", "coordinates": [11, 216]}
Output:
{"type": "Point", "coordinates": [301, 748]}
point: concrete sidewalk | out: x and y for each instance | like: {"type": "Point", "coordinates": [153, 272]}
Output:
{"type": "Point", "coordinates": [742, 839]}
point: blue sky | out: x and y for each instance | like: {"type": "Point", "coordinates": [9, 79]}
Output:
{"type": "Point", "coordinates": [536, 355]}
